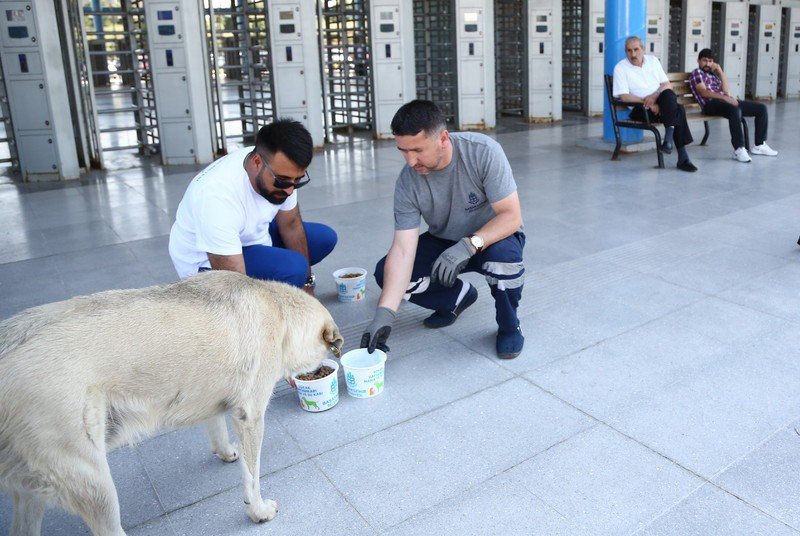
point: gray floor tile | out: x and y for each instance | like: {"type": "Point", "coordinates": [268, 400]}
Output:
{"type": "Point", "coordinates": [398, 472]}
{"type": "Point", "coordinates": [772, 293]}
{"type": "Point", "coordinates": [720, 269]}
{"type": "Point", "coordinates": [517, 420]}
{"type": "Point", "coordinates": [604, 483]}
{"type": "Point", "coordinates": [307, 504]}
{"type": "Point", "coordinates": [495, 508]}
{"type": "Point", "coordinates": [137, 499]}
{"type": "Point", "coordinates": [184, 470]}
{"type": "Point", "coordinates": [708, 421]}
{"type": "Point", "coordinates": [413, 385]}
{"type": "Point", "coordinates": [768, 477]}
{"type": "Point", "coordinates": [711, 512]}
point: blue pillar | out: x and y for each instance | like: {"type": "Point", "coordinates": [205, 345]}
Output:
{"type": "Point", "coordinates": [623, 18]}
{"type": "Point", "coordinates": [98, 20]}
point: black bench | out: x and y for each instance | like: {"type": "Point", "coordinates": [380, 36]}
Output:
{"type": "Point", "coordinates": [681, 87]}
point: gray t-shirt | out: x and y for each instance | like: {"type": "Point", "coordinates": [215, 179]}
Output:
{"type": "Point", "coordinates": [455, 201]}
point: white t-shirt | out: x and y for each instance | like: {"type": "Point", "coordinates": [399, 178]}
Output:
{"type": "Point", "coordinates": [638, 81]}
{"type": "Point", "coordinates": [220, 213]}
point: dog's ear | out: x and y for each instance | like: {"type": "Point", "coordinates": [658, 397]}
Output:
{"type": "Point", "coordinates": [332, 337]}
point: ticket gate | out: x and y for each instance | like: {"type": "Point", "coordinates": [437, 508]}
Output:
{"type": "Point", "coordinates": [544, 60]}
{"type": "Point", "coordinates": [475, 63]}
{"type": "Point", "coordinates": [729, 42]}
{"type": "Point", "coordinates": [37, 93]}
{"type": "Point", "coordinates": [657, 30]}
{"type": "Point", "coordinates": [696, 32]}
{"type": "Point", "coordinates": [295, 57]}
{"type": "Point", "coordinates": [435, 54]}
{"type": "Point", "coordinates": [511, 57]}
{"type": "Point", "coordinates": [392, 61]}
{"type": "Point", "coordinates": [240, 71]}
{"type": "Point", "coordinates": [789, 78]}
{"type": "Point", "coordinates": [346, 65]}
{"type": "Point", "coordinates": [763, 51]}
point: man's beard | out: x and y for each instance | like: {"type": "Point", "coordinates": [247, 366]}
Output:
{"type": "Point", "coordinates": [707, 69]}
{"type": "Point", "coordinates": [276, 198]}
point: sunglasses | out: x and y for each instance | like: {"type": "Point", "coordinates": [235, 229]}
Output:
{"type": "Point", "coordinates": [284, 183]}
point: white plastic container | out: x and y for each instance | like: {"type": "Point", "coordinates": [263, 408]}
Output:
{"type": "Point", "coordinates": [364, 372]}
{"type": "Point", "coordinates": [319, 395]}
{"type": "Point", "coordinates": [351, 289]}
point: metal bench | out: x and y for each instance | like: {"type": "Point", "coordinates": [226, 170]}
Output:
{"type": "Point", "coordinates": [682, 89]}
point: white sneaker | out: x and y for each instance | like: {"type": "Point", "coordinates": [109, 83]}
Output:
{"type": "Point", "coordinates": [764, 150]}
{"type": "Point", "coordinates": [740, 155]}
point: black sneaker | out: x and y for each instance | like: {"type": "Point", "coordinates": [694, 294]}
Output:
{"type": "Point", "coordinates": [441, 319]}
{"type": "Point", "coordinates": [687, 165]}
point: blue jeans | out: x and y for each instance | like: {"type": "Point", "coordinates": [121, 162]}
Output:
{"type": "Point", "coordinates": [500, 263]}
{"type": "Point", "coordinates": [276, 263]}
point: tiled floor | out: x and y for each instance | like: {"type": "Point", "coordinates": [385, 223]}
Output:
{"type": "Point", "coordinates": [659, 391]}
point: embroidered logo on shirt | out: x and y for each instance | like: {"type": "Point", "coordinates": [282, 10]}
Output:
{"type": "Point", "coordinates": [474, 202]}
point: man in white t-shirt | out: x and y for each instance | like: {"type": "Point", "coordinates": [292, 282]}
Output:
{"type": "Point", "coordinates": [641, 79]}
{"type": "Point", "coordinates": [241, 213]}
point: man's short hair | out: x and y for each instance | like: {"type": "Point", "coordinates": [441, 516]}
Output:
{"type": "Point", "coordinates": [417, 116]}
{"type": "Point", "coordinates": [633, 38]}
{"type": "Point", "coordinates": [289, 137]}
{"type": "Point", "coordinates": [705, 53]}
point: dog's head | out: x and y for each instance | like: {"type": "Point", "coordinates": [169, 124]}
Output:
{"type": "Point", "coordinates": [313, 341]}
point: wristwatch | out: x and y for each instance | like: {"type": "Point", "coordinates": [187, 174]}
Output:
{"type": "Point", "coordinates": [476, 241]}
{"type": "Point", "coordinates": [311, 281]}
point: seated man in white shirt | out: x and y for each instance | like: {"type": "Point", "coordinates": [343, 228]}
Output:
{"type": "Point", "coordinates": [639, 78]}
{"type": "Point", "coordinates": [241, 213]}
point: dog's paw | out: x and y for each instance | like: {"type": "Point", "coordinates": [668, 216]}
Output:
{"type": "Point", "coordinates": [227, 454]}
{"type": "Point", "coordinates": [262, 512]}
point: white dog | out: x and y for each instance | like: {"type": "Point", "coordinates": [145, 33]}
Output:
{"type": "Point", "coordinates": [83, 376]}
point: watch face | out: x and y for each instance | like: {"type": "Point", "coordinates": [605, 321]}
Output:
{"type": "Point", "coordinates": [477, 241]}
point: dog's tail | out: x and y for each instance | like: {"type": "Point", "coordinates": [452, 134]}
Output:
{"type": "Point", "coordinates": [16, 330]}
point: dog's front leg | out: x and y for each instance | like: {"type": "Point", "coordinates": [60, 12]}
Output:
{"type": "Point", "coordinates": [218, 435]}
{"type": "Point", "coordinates": [250, 429]}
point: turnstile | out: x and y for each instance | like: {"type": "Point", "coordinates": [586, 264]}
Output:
{"type": "Point", "coordinates": [119, 84]}
{"type": "Point", "coordinates": [675, 38]}
{"type": "Point", "coordinates": [790, 76]}
{"type": "Point", "coordinates": [544, 60]}
{"type": "Point", "coordinates": [347, 67]}
{"type": "Point", "coordinates": [240, 69]}
{"type": "Point", "coordinates": [696, 31]}
{"type": "Point", "coordinates": [35, 82]}
{"type": "Point", "coordinates": [657, 30]}
{"type": "Point", "coordinates": [180, 83]}
{"type": "Point", "coordinates": [435, 54]}
{"type": "Point", "coordinates": [295, 64]}
{"type": "Point", "coordinates": [596, 65]}
{"type": "Point", "coordinates": [392, 61]}
{"type": "Point", "coordinates": [573, 66]}
{"type": "Point", "coordinates": [8, 151]}
{"type": "Point", "coordinates": [475, 63]}
{"type": "Point", "coordinates": [763, 51]}
{"type": "Point", "coordinates": [729, 42]}
{"type": "Point", "coordinates": [511, 57]}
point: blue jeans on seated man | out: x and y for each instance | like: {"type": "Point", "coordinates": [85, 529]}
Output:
{"type": "Point", "coordinates": [276, 263]}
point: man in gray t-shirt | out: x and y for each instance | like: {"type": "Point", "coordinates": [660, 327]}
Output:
{"type": "Point", "coordinates": [462, 186]}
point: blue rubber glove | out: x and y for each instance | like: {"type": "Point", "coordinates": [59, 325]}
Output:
{"type": "Point", "coordinates": [450, 263]}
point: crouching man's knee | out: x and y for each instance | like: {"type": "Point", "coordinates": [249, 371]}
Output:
{"type": "Point", "coordinates": [379, 272]}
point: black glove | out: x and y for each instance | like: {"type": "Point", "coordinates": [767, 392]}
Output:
{"type": "Point", "coordinates": [378, 331]}
{"type": "Point", "coordinates": [450, 263]}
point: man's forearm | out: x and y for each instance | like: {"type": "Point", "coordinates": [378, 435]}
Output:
{"type": "Point", "coordinates": [396, 277]}
{"type": "Point", "coordinates": [501, 226]}
{"type": "Point", "coordinates": [294, 238]}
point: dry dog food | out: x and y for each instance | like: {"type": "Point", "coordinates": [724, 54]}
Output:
{"type": "Point", "coordinates": [350, 276]}
{"type": "Point", "coordinates": [316, 375]}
